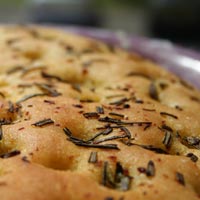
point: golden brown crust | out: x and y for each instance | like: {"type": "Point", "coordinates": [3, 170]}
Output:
{"type": "Point", "coordinates": [82, 120]}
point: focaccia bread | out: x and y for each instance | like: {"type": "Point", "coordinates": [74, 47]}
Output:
{"type": "Point", "coordinates": [80, 119]}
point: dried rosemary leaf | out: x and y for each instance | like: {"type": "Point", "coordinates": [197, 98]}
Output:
{"type": "Point", "coordinates": [30, 96]}
{"type": "Point", "coordinates": [67, 132]}
{"type": "Point", "coordinates": [168, 114]}
{"type": "Point", "coordinates": [180, 178]}
{"type": "Point", "coordinates": [10, 154]}
{"type": "Point", "coordinates": [80, 142]}
{"type": "Point", "coordinates": [191, 141]}
{"type": "Point", "coordinates": [109, 198]}
{"type": "Point", "coordinates": [104, 132]}
{"type": "Point", "coordinates": [109, 120]}
{"type": "Point", "coordinates": [167, 139]}
{"type": "Point", "coordinates": [100, 110]}
{"type": "Point", "coordinates": [116, 114]}
{"type": "Point", "coordinates": [119, 102]}
{"type": "Point", "coordinates": [91, 115]}
{"type": "Point", "coordinates": [110, 138]}
{"type": "Point", "coordinates": [43, 122]}
{"type": "Point", "coordinates": [150, 171]}
{"type": "Point", "coordinates": [126, 131]}
{"type": "Point", "coordinates": [76, 87]}
{"type": "Point", "coordinates": [48, 89]}
{"type": "Point", "coordinates": [122, 180]}
{"type": "Point", "coordinates": [11, 108]}
{"type": "Point", "coordinates": [104, 173]}
{"type": "Point", "coordinates": [48, 76]}
{"type": "Point", "coordinates": [101, 146]}
{"type": "Point", "coordinates": [139, 74]}
{"type": "Point", "coordinates": [93, 157]}
{"type": "Point", "coordinates": [1, 133]}
{"type": "Point", "coordinates": [153, 93]}
{"type": "Point", "coordinates": [193, 157]}
{"type": "Point", "coordinates": [15, 69]}
{"type": "Point", "coordinates": [165, 127]}
{"type": "Point", "coordinates": [148, 109]}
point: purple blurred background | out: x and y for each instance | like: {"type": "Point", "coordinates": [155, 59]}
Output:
{"type": "Point", "coordinates": [131, 24]}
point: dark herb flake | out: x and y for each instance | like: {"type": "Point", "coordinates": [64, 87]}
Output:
{"type": "Point", "coordinates": [49, 101]}
{"type": "Point", "coordinates": [93, 157]}
{"type": "Point", "coordinates": [192, 141]}
{"type": "Point", "coordinates": [10, 154]}
{"type": "Point", "coordinates": [168, 114]}
{"type": "Point", "coordinates": [30, 96]}
{"type": "Point", "coordinates": [126, 131]}
{"type": "Point", "coordinates": [76, 87]}
{"type": "Point", "coordinates": [150, 171]}
{"type": "Point", "coordinates": [138, 74]}
{"type": "Point", "coordinates": [91, 115]}
{"type": "Point", "coordinates": [48, 89]}
{"type": "Point", "coordinates": [116, 114]}
{"type": "Point", "coordinates": [11, 108]}
{"type": "Point", "coordinates": [165, 127]}
{"type": "Point", "coordinates": [119, 180]}
{"type": "Point", "coordinates": [142, 170]}
{"type": "Point", "coordinates": [88, 143]}
{"type": "Point", "coordinates": [104, 132]}
{"type": "Point", "coordinates": [167, 139]}
{"type": "Point", "coordinates": [48, 76]}
{"type": "Point", "coordinates": [43, 122]}
{"type": "Point", "coordinates": [153, 92]}
{"type": "Point", "coordinates": [193, 157]}
{"type": "Point", "coordinates": [1, 133]}
{"type": "Point", "coordinates": [110, 138]}
{"type": "Point", "coordinates": [103, 146]}
{"type": "Point", "coordinates": [119, 102]}
{"type": "Point", "coordinates": [108, 198]}
{"type": "Point", "coordinates": [100, 110]}
{"type": "Point", "coordinates": [140, 101]}
{"type": "Point", "coordinates": [25, 159]}
{"type": "Point", "coordinates": [2, 95]}
{"type": "Point", "coordinates": [180, 178]}
{"type": "Point", "coordinates": [148, 109]}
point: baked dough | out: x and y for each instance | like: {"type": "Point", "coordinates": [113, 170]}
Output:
{"type": "Point", "coordinates": [80, 119]}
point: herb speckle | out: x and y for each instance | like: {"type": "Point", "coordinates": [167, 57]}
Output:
{"type": "Point", "coordinates": [43, 122]}
{"type": "Point", "coordinates": [180, 178]}
{"type": "Point", "coordinates": [150, 171]}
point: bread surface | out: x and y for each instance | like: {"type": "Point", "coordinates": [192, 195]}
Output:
{"type": "Point", "coordinates": [80, 119]}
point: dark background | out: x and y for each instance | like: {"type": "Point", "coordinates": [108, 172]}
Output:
{"type": "Point", "coordinates": [175, 20]}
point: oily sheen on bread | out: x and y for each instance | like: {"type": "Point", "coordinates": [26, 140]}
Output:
{"type": "Point", "coordinates": [80, 119]}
